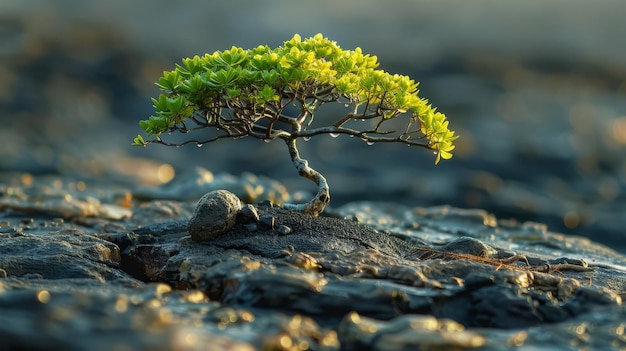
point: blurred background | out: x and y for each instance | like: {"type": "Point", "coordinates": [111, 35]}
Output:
{"type": "Point", "coordinates": [535, 89]}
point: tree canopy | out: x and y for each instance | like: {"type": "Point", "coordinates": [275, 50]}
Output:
{"type": "Point", "coordinates": [244, 93]}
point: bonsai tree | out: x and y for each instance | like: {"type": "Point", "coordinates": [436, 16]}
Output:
{"type": "Point", "coordinates": [274, 93]}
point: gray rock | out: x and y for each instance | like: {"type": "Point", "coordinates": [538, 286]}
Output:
{"type": "Point", "coordinates": [65, 254]}
{"type": "Point", "coordinates": [66, 206]}
{"type": "Point", "coordinates": [155, 212]}
{"type": "Point", "coordinates": [248, 214]}
{"type": "Point", "coordinates": [283, 229]}
{"type": "Point", "coordinates": [215, 214]}
{"type": "Point", "coordinates": [466, 245]}
{"type": "Point", "coordinates": [267, 222]}
{"type": "Point", "coordinates": [109, 318]}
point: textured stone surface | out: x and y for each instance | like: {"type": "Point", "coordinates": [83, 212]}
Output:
{"type": "Point", "coordinates": [65, 254]}
{"type": "Point", "coordinates": [337, 267]}
{"type": "Point", "coordinates": [215, 214]}
{"type": "Point", "coordinates": [407, 332]}
{"type": "Point", "coordinates": [410, 278]}
{"type": "Point", "coordinates": [248, 214]}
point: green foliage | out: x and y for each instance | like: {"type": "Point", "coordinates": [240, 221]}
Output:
{"type": "Point", "coordinates": [244, 92]}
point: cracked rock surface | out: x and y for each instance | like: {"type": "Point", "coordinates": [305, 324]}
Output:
{"type": "Point", "coordinates": [366, 276]}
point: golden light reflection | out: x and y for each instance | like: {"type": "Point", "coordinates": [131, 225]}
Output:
{"type": "Point", "coordinates": [191, 339]}
{"type": "Point", "coordinates": [258, 190]}
{"type": "Point", "coordinates": [571, 219]}
{"type": "Point", "coordinates": [27, 179]}
{"type": "Point", "coordinates": [162, 289]}
{"type": "Point", "coordinates": [196, 296]}
{"type": "Point", "coordinates": [618, 130]}
{"type": "Point", "coordinates": [166, 316]}
{"type": "Point", "coordinates": [247, 316]}
{"type": "Point", "coordinates": [154, 304]}
{"type": "Point", "coordinates": [43, 296]}
{"type": "Point", "coordinates": [125, 200]}
{"type": "Point", "coordinates": [285, 342]}
{"type": "Point", "coordinates": [250, 192]}
{"type": "Point", "coordinates": [581, 328]}
{"type": "Point", "coordinates": [330, 339]}
{"type": "Point", "coordinates": [121, 304]}
{"type": "Point", "coordinates": [148, 172]}
{"type": "Point", "coordinates": [165, 173]}
{"type": "Point", "coordinates": [136, 299]}
{"type": "Point", "coordinates": [207, 177]}
{"type": "Point", "coordinates": [518, 339]}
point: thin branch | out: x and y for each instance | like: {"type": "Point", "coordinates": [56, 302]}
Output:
{"type": "Point", "coordinates": [364, 135]}
{"type": "Point", "coordinates": [158, 140]}
{"type": "Point", "coordinates": [350, 116]}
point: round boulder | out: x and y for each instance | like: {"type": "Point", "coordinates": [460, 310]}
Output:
{"type": "Point", "coordinates": [215, 214]}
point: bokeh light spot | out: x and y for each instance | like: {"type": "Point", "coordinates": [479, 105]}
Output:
{"type": "Point", "coordinates": [571, 219]}
{"type": "Point", "coordinates": [165, 173]}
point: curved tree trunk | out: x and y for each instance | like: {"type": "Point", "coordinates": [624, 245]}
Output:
{"type": "Point", "coordinates": [321, 199]}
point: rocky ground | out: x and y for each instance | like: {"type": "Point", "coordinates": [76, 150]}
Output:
{"type": "Point", "coordinates": [94, 247]}
{"type": "Point", "coordinates": [91, 267]}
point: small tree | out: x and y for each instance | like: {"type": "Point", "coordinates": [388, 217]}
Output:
{"type": "Point", "coordinates": [270, 93]}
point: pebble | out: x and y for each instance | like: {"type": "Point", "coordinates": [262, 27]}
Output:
{"type": "Point", "coordinates": [283, 229]}
{"type": "Point", "coordinates": [215, 214]}
{"type": "Point", "coordinates": [248, 214]}
{"type": "Point", "coordinates": [266, 222]}
{"type": "Point", "coordinates": [471, 246]}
